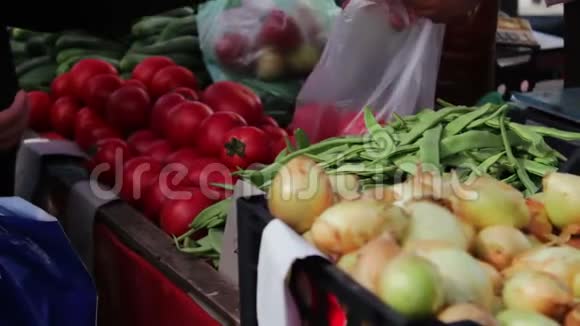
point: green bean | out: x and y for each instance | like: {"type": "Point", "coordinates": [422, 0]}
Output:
{"type": "Point", "coordinates": [550, 160]}
{"type": "Point", "coordinates": [492, 117]}
{"type": "Point", "coordinates": [355, 150]}
{"type": "Point", "coordinates": [536, 168]}
{"type": "Point", "coordinates": [521, 172]}
{"type": "Point", "coordinates": [428, 122]}
{"type": "Point", "coordinates": [216, 237]}
{"type": "Point", "coordinates": [485, 165]}
{"type": "Point", "coordinates": [538, 146]}
{"type": "Point", "coordinates": [429, 148]}
{"type": "Point", "coordinates": [468, 140]}
{"type": "Point", "coordinates": [512, 178]}
{"type": "Point", "coordinates": [555, 133]}
{"type": "Point", "coordinates": [218, 209]}
{"type": "Point", "coordinates": [456, 126]}
{"type": "Point", "coordinates": [281, 155]}
{"type": "Point", "coordinates": [301, 139]}
{"type": "Point", "coordinates": [379, 135]}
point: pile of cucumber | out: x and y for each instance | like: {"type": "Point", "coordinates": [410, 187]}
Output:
{"type": "Point", "coordinates": [40, 57]}
{"type": "Point", "coordinates": [172, 34]}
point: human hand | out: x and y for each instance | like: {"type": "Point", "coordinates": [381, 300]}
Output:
{"type": "Point", "coordinates": [441, 11]}
{"type": "Point", "coordinates": [13, 121]}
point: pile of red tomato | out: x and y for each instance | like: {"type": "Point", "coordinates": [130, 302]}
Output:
{"type": "Point", "coordinates": [157, 134]}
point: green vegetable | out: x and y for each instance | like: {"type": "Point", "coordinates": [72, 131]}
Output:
{"type": "Point", "coordinates": [74, 40]}
{"type": "Point", "coordinates": [178, 12]}
{"type": "Point", "coordinates": [179, 27]}
{"type": "Point", "coordinates": [177, 45]}
{"type": "Point", "coordinates": [151, 25]}
{"type": "Point", "coordinates": [64, 55]}
{"type": "Point", "coordinates": [31, 64]}
{"type": "Point", "coordinates": [37, 77]}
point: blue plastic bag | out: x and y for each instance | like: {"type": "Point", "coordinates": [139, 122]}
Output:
{"type": "Point", "coordinates": [42, 281]}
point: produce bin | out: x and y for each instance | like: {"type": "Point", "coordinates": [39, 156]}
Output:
{"type": "Point", "coordinates": [141, 278]}
{"type": "Point", "coordinates": [324, 280]}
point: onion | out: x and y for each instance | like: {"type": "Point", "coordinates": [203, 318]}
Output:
{"type": "Point", "coordinates": [429, 221]}
{"type": "Point", "coordinates": [487, 202]}
{"type": "Point", "coordinates": [345, 186]}
{"type": "Point", "coordinates": [562, 262]}
{"type": "Point", "coordinates": [467, 312]}
{"type": "Point", "coordinates": [308, 237]}
{"type": "Point", "coordinates": [348, 262]}
{"type": "Point", "coordinates": [539, 224]}
{"type": "Point", "coordinates": [372, 258]}
{"type": "Point", "coordinates": [424, 185]}
{"type": "Point", "coordinates": [349, 225]}
{"type": "Point", "coordinates": [382, 193]}
{"type": "Point", "coordinates": [573, 317]}
{"type": "Point", "coordinates": [561, 197]}
{"type": "Point", "coordinates": [464, 279]}
{"type": "Point", "coordinates": [299, 193]}
{"type": "Point", "coordinates": [499, 244]}
{"type": "Point", "coordinates": [539, 292]}
{"type": "Point", "coordinates": [412, 286]}
{"type": "Point", "coordinates": [495, 276]}
{"type": "Point", "coordinates": [512, 317]}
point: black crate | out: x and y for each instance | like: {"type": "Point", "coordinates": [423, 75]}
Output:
{"type": "Point", "coordinates": [361, 304]}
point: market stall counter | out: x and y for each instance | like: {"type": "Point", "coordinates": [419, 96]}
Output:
{"type": "Point", "coordinates": [141, 278]}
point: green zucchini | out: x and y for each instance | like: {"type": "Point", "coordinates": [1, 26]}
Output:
{"type": "Point", "coordinates": [179, 27]}
{"type": "Point", "coordinates": [130, 60]}
{"type": "Point", "coordinates": [64, 55]}
{"type": "Point", "coordinates": [38, 76]}
{"type": "Point", "coordinates": [67, 41]}
{"type": "Point", "coordinates": [178, 12]}
{"type": "Point", "coordinates": [31, 64]}
{"type": "Point", "coordinates": [176, 45]}
{"type": "Point", "coordinates": [150, 25]}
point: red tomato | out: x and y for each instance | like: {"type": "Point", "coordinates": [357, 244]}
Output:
{"type": "Point", "coordinates": [62, 86]}
{"type": "Point", "coordinates": [231, 49]}
{"type": "Point", "coordinates": [155, 196]}
{"type": "Point", "coordinates": [139, 173]}
{"type": "Point", "coordinates": [51, 135]}
{"type": "Point", "coordinates": [87, 68]}
{"type": "Point", "coordinates": [214, 174]}
{"type": "Point", "coordinates": [213, 131]}
{"type": "Point", "coordinates": [110, 156]}
{"type": "Point", "coordinates": [63, 114]}
{"type": "Point", "coordinates": [161, 110]}
{"type": "Point", "coordinates": [39, 104]}
{"type": "Point", "coordinates": [98, 89]}
{"type": "Point", "coordinates": [159, 150]}
{"type": "Point", "coordinates": [140, 141]}
{"type": "Point", "coordinates": [182, 124]}
{"type": "Point", "coordinates": [277, 137]}
{"type": "Point", "coordinates": [200, 166]}
{"type": "Point", "coordinates": [188, 93]}
{"type": "Point", "coordinates": [128, 108]}
{"type": "Point", "coordinates": [147, 68]}
{"type": "Point", "coordinates": [137, 83]}
{"type": "Point", "coordinates": [177, 214]}
{"type": "Point", "coordinates": [233, 97]}
{"type": "Point", "coordinates": [182, 156]}
{"type": "Point", "coordinates": [170, 78]}
{"type": "Point", "coordinates": [103, 133]}
{"type": "Point", "coordinates": [85, 122]}
{"type": "Point", "coordinates": [244, 146]}
{"type": "Point", "coordinates": [268, 121]}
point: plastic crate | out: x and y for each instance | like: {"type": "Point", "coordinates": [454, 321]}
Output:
{"type": "Point", "coordinates": [312, 301]}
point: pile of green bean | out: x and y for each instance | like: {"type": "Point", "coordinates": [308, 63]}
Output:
{"type": "Point", "coordinates": [469, 141]}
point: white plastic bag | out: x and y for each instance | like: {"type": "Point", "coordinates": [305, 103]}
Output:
{"type": "Point", "coordinates": [368, 62]}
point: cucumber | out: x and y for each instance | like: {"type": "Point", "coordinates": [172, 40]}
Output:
{"type": "Point", "coordinates": [176, 45]}
{"type": "Point", "coordinates": [130, 60]}
{"type": "Point", "coordinates": [186, 59]}
{"type": "Point", "coordinates": [138, 44]}
{"type": "Point", "coordinates": [36, 46]}
{"type": "Point", "coordinates": [150, 25]}
{"type": "Point", "coordinates": [70, 62]}
{"type": "Point", "coordinates": [18, 48]}
{"type": "Point", "coordinates": [87, 42]}
{"type": "Point", "coordinates": [21, 34]}
{"type": "Point", "coordinates": [182, 26]}
{"type": "Point", "coordinates": [178, 12]}
{"type": "Point", "coordinates": [126, 75]}
{"type": "Point", "coordinates": [64, 55]}
{"type": "Point", "coordinates": [38, 76]}
{"type": "Point", "coordinates": [31, 64]}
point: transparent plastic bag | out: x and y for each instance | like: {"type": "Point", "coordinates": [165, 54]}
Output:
{"type": "Point", "coordinates": [369, 62]}
{"type": "Point", "coordinates": [269, 45]}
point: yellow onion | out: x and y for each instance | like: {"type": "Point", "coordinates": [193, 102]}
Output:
{"type": "Point", "coordinates": [464, 279]}
{"type": "Point", "coordinates": [270, 64]}
{"type": "Point", "coordinates": [573, 317]}
{"type": "Point", "coordinates": [384, 194]}
{"type": "Point", "coordinates": [487, 202]}
{"type": "Point", "coordinates": [308, 237]}
{"type": "Point", "coordinates": [412, 286]}
{"type": "Point", "coordinates": [345, 186]}
{"type": "Point", "coordinates": [562, 262]}
{"type": "Point", "coordinates": [495, 276]}
{"type": "Point", "coordinates": [539, 292]}
{"type": "Point", "coordinates": [303, 59]}
{"type": "Point", "coordinates": [539, 224]}
{"type": "Point", "coordinates": [299, 193]}
{"type": "Point", "coordinates": [499, 244]}
{"type": "Point", "coordinates": [467, 312]}
{"type": "Point", "coordinates": [513, 317]}
{"type": "Point", "coordinates": [372, 258]}
{"type": "Point", "coordinates": [425, 185]}
{"type": "Point", "coordinates": [349, 225]}
{"type": "Point", "coordinates": [429, 221]}
{"type": "Point", "coordinates": [561, 197]}
{"type": "Point", "coordinates": [348, 262]}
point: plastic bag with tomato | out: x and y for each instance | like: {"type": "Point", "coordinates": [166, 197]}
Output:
{"type": "Point", "coordinates": [377, 55]}
{"type": "Point", "coordinates": [268, 45]}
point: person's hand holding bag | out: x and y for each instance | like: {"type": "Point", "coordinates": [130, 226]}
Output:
{"type": "Point", "coordinates": [13, 121]}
